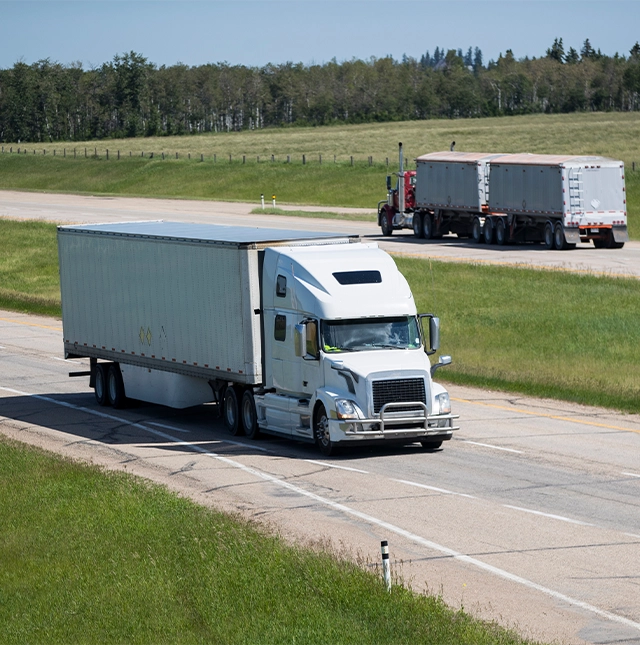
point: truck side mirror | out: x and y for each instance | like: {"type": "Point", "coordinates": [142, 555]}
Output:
{"type": "Point", "coordinates": [300, 339]}
{"type": "Point", "coordinates": [434, 334]}
{"type": "Point", "coordinates": [388, 182]}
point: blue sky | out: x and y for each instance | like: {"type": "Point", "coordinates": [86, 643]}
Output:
{"type": "Point", "coordinates": [308, 31]}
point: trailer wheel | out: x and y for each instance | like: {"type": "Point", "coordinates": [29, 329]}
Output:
{"type": "Point", "coordinates": [427, 226]}
{"type": "Point", "coordinates": [476, 230]}
{"type": "Point", "coordinates": [548, 236]}
{"type": "Point", "coordinates": [488, 230]}
{"type": "Point", "coordinates": [321, 431]}
{"type": "Point", "coordinates": [417, 225]}
{"type": "Point", "coordinates": [249, 415]}
{"type": "Point", "coordinates": [501, 232]}
{"type": "Point", "coordinates": [231, 412]}
{"type": "Point", "coordinates": [431, 445]}
{"type": "Point", "coordinates": [100, 389]}
{"type": "Point", "coordinates": [559, 239]}
{"type": "Point", "coordinates": [115, 387]}
{"type": "Point", "coordinates": [386, 223]}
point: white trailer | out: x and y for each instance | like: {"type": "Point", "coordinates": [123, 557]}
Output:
{"type": "Point", "coordinates": [298, 334]}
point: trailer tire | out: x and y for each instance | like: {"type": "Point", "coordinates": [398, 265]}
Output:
{"type": "Point", "coordinates": [427, 226]}
{"type": "Point", "coordinates": [231, 411]}
{"type": "Point", "coordinates": [115, 387]}
{"type": "Point", "coordinates": [249, 415]}
{"type": "Point", "coordinates": [321, 431]}
{"type": "Point", "coordinates": [101, 378]}
{"type": "Point", "coordinates": [501, 231]}
{"type": "Point", "coordinates": [476, 231]}
{"type": "Point", "coordinates": [548, 236]}
{"type": "Point", "coordinates": [559, 239]}
{"type": "Point", "coordinates": [417, 225]}
{"type": "Point", "coordinates": [488, 230]}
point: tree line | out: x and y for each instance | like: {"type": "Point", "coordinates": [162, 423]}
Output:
{"type": "Point", "coordinates": [131, 97]}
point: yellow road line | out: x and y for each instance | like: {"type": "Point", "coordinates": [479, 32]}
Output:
{"type": "Point", "coordinates": [28, 324]}
{"type": "Point", "coordinates": [546, 416]}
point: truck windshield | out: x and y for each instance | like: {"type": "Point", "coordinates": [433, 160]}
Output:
{"type": "Point", "coordinates": [373, 333]}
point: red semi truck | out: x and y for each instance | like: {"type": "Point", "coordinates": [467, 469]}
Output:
{"type": "Point", "coordinates": [558, 200]}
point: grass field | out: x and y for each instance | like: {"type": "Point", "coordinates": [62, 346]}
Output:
{"type": "Point", "coordinates": [544, 333]}
{"type": "Point", "coordinates": [95, 557]}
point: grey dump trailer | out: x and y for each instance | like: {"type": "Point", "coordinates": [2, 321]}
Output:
{"type": "Point", "coordinates": [297, 334]}
{"type": "Point", "coordinates": [558, 200]}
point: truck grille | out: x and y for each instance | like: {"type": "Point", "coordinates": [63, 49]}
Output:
{"type": "Point", "coordinates": [397, 391]}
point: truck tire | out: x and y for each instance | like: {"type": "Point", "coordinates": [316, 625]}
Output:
{"type": "Point", "coordinates": [427, 226]}
{"type": "Point", "coordinates": [488, 230]}
{"type": "Point", "coordinates": [321, 431]}
{"type": "Point", "coordinates": [431, 444]}
{"type": "Point", "coordinates": [476, 231]}
{"type": "Point", "coordinates": [231, 411]}
{"type": "Point", "coordinates": [386, 223]}
{"type": "Point", "coordinates": [249, 415]}
{"type": "Point", "coordinates": [548, 236]}
{"type": "Point", "coordinates": [115, 387]}
{"type": "Point", "coordinates": [417, 225]}
{"type": "Point", "coordinates": [100, 389]}
{"type": "Point", "coordinates": [559, 239]}
{"type": "Point", "coordinates": [501, 232]}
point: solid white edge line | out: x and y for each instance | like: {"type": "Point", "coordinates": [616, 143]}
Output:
{"type": "Point", "coordinates": [631, 474]}
{"type": "Point", "coordinates": [65, 360]}
{"type": "Point", "coordinates": [501, 573]}
{"type": "Point", "coordinates": [488, 445]}
{"type": "Point", "coordinates": [549, 515]}
{"type": "Point", "coordinates": [322, 463]}
{"type": "Point", "coordinates": [433, 488]}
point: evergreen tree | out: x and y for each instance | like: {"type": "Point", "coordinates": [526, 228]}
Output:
{"type": "Point", "coordinates": [556, 52]}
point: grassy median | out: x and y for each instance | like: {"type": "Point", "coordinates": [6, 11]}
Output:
{"type": "Point", "coordinates": [100, 557]}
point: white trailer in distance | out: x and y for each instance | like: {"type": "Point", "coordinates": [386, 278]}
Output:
{"type": "Point", "coordinates": [297, 334]}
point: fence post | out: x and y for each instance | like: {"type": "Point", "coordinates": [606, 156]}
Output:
{"type": "Point", "coordinates": [352, 160]}
{"type": "Point", "coordinates": [387, 160]}
{"type": "Point", "coordinates": [118, 155]}
{"type": "Point", "coordinates": [74, 153]}
{"type": "Point", "coordinates": [244, 159]}
{"type": "Point", "coordinates": [163, 156]}
{"type": "Point", "coordinates": [64, 152]}
{"type": "Point", "coordinates": [288, 158]}
{"type": "Point", "coordinates": [304, 160]}
{"type": "Point", "coordinates": [201, 157]}
{"type": "Point", "coordinates": [215, 157]}
{"type": "Point", "coordinates": [320, 159]}
{"type": "Point", "coordinates": [334, 158]}
{"type": "Point", "coordinates": [176, 155]}
{"type": "Point", "coordinates": [107, 154]}
{"type": "Point", "coordinates": [273, 158]}
{"type": "Point", "coordinates": [258, 159]}
{"type": "Point", "coordinates": [633, 163]}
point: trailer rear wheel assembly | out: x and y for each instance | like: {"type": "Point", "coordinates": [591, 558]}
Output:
{"type": "Point", "coordinates": [559, 239]}
{"type": "Point", "coordinates": [488, 231]}
{"type": "Point", "coordinates": [231, 412]}
{"type": "Point", "coordinates": [501, 231]}
{"type": "Point", "coordinates": [115, 387]}
{"type": "Point", "coordinates": [427, 226]}
{"type": "Point", "coordinates": [476, 230]}
{"type": "Point", "coordinates": [321, 431]}
{"type": "Point", "coordinates": [249, 415]}
{"type": "Point", "coordinates": [548, 236]}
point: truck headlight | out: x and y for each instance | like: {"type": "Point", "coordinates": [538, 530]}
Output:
{"type": "Point", "coordinates": [444, 402]}
{"type": "Point", "coordinates": [346, 409]}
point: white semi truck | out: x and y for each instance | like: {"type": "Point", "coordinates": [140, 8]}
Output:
{"type": "Point", "coordinates": [296, 334]}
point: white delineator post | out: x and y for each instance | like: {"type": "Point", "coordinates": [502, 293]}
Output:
{"type": "Point", "coordinates": [386, 572]}
{"type": "Point", "coordinates": [262, 201]}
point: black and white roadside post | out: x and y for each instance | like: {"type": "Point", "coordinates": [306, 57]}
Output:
{"type": "Point", "coordinates": [384, 546]}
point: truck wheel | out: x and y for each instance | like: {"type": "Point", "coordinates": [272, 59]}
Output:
{"type": "Point", "coordinates": [501, 232]}
{"type": "Point", "coordinates": [417, 225]}
{"type": "Point", "coordinates": [427, 226]}
{"type": "Point", "coordinates": [100, 390]}
{"type": "Point", "coordinates": [249, 415]}
{"type": "Point", "coordinates": [476, 230]}
{"type": "Point", "coordinates": [431, 445]}
{"type": "Point", "coordinates": [115, 387]}
{"type": "Point", "coordinates": [488, 231]}
{"type": "Point", "coordinates": [559, 239]}
{"type": "Point", "coordinates": [385, 222]}
{"type": "Point", "coordinates": [231, 412]}
{"type": "Point", "coordinates": [321, 431]}
{"type": "Point", "coordinates": [548, 236]}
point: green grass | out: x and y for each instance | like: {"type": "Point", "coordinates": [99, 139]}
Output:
{"type": "Point", "coordinates": [356, 217]}
{"type": "Point", "coordinates": [29, 279]}
{"type": "Point", "coordinates": [543, 333]}
{"type": "Point", "coordinates": [95, 557]}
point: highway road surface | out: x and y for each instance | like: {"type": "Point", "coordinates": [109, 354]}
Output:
{"type": "Point", "coordinates": [86, 209]}
{"type": "Point", "coordinates": [530, 516]}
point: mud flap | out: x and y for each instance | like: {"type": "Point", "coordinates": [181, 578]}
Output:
{"type": "Point", "coordinates": [572, 235]}
{"type": "Point", "coordinates": [620, 234]}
